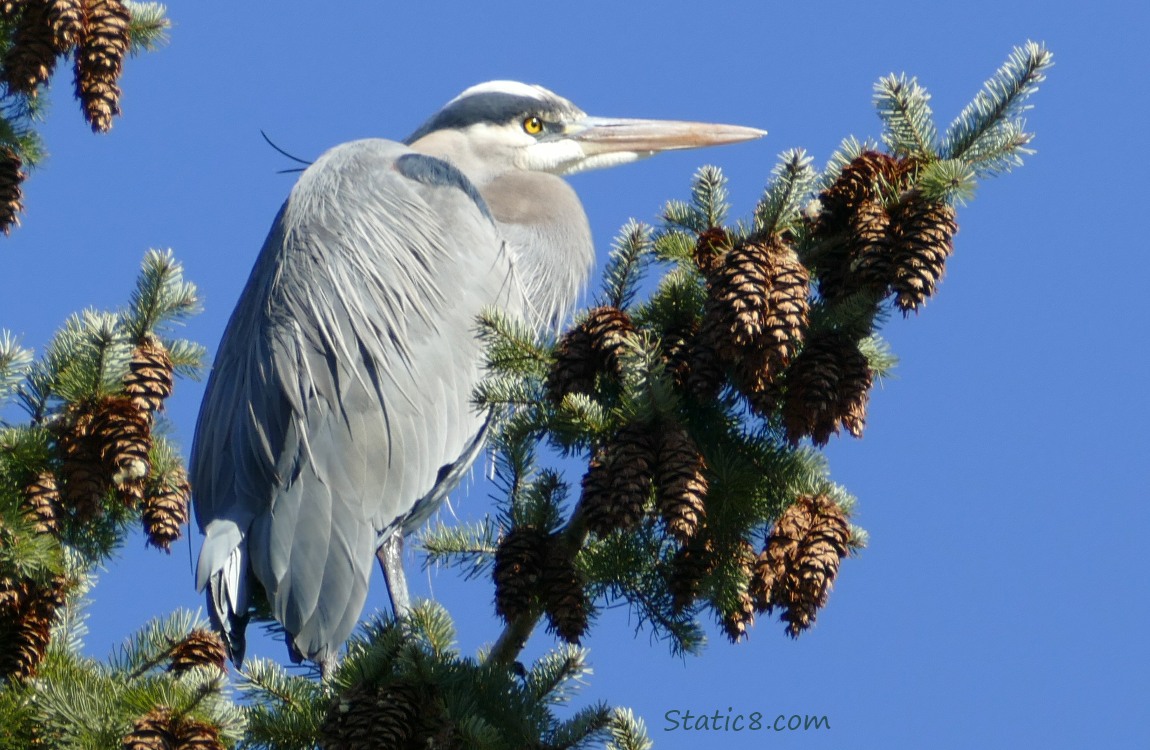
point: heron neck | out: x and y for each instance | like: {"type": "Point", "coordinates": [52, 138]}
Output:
{"type": "Point", "coordinates": [549, 238]}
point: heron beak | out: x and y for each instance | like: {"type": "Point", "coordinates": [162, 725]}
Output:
{"type": "Point", "coordinates": [605, 142]}
{"type": "Point", "coordinates": [600, 135]}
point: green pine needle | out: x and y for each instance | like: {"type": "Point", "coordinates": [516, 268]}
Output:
{"type": "Point", "coordinates": [792, 180]}
{"type": "Point", "coordinates": [552, 677]}
{"type": "Point", "coordinates": [468, 547]}
{"type": "Point", "coordinates": [15, 363]}
{"type": "Point", "coordinates": [628, 732]}
{"type": "Point", "coordinates": [904, 107]}
{"type": "Point", "coordinates": [161, 296]}
{"type": "Point", "coordinates": [1001, 100]}
{"type": "Point", "coordinates": [948, 180]}
{"type": "Point", "coordinates": [626, 264]}
{"type": "Point", "coordinates": [148, 28]}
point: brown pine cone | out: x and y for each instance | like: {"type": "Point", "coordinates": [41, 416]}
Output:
{"type": "Point", "coordinates": [201, 648]}
{"type": "Point", "coordinates": [12, 176]}
{"type": "Point", "coordinates": [518, 570]}
{"type": "Point", "coordinates": [681, 485]}
{"type": "Point", "coordinates": [925, 239]}
{"type": "Point", "coordinates": [618, 481]}
{"type": "Point", "coordinates": [798, 566]}
{"type": "Point", "coordinates": [165, 509]}
{"type": "Point", "coordinates": [31, 58]}
{"type": "Point", "coordinates": [155, 731]}
{"type": "Point", "coordinates": [564, 595]}
{"type": "Point", "coordinates": [150, 379]}
{"type": "Point", "coordinates": [99, 60]}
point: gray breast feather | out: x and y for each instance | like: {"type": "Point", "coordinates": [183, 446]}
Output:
{"type": "Point", "coordinates": [341, 389]}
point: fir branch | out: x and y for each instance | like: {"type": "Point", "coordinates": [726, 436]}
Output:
{"type": "Point", "coordinates": [161, 296]}
{"type": "Point", "coordinates": [648, 391]}
{"type": "Point", "coordinates": [511, 345]}
{"type": "Point", "coordinates": [151, 646]}
{"type": "Point", "coordinates": [148, 27]}
{"type": "Point", "coordinates": [708, 206]}
{"type": "Point", "coordinates": [879, 356]}
{"type": "Point", "coordinates": [591, 724]}
{"type": "Point", "coordinates": [469, 547]}
{"type": "Point", "coordinates": [709, 196]}
{"type": "Point", "coordinates": [1000, 150]}
{"type": "Point", "coordinates": [89, 357]}
{"type": "Point", "coordinates": [904, 107]}
{"type": "Point", "coordinates": [673, 245]}
{"type": "Point", "coordinates": [577, 421]}
{"type": "Point", "coordinates": [188, 357]}
{"type": "Point", "coordinates": [626, 264]}
{"type": "Point", "coordinates": [788, 190]}
{"type": "Point", "coordinates": [15, 362]}
{"type": "Point", "coordinates": [551, 676]}
{"type": "Point", "coordinates": [947, 180]}
{"type": "Point", "coordinates": [628, 732]}
{"type": "Point", "coordinates": [1001, 99]}
{"type": "Point", "coordinates": [284, 711]}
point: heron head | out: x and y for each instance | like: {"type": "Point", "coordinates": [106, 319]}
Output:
{"type": "Point", "coordinates": [503, 125]}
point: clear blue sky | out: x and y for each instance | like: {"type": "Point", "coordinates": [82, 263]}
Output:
{"type": "Point", "coordinates": [1003, 475]}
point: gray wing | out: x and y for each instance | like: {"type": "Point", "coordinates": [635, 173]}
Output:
{"type": "Point", "coordinates": [341, 391]}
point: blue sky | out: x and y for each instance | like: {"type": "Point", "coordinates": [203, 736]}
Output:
{"type": "Point", "coordinates": [1003, 473]}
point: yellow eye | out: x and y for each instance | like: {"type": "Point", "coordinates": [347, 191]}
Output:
{"type": "Point", "coordinates": [533, 125]}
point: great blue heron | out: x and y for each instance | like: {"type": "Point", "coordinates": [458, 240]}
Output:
{"type": "Point", "coordinates": [338, 416]}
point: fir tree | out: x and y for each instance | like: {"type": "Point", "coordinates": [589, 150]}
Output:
{"type": "Point", "coordinates": [698, 409]}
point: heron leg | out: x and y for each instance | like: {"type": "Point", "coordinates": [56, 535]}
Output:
{"type": "Point", "coordinates": [390, 556]}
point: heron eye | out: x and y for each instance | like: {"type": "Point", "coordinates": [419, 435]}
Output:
{"type": "Point", "coordinates": [533, 125]}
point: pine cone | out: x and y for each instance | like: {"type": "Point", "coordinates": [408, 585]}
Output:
{"type": "Point", "coordinates": [86, 478]}
{"type": "Point", "coordinates": [690, 565]}
{"type": "Point", "coordinates": [827, 384]}
{"type": "Point", "coordinates": [736, 622]}
{"type": "Point", "coordinates": [519, 562]}
{"type": "Point", "coordinates": [756, 310]}
{"type": "Point", "coordinates": [67, 19]}
{"type": "Point", "coordinates": [705, 374]}
{"type": "Point", "coordinates": [149, 380]}
{"type": "Point", "coordinates": [925, 233]}
{"type": "Point", "coordinates": [155, 731]}
{"type": "Point", "coordinates": [201, 648]}
{"type": "Point", "coordinates": [11, 193]}
{"type": "Point", "coordinates": [27, 610]}
{"type": "Point", "coordinates": [848, 225]}
{"type": "Point", "coordinates": [165, 509]}
{"type": "Point", "coordinates": [370, 718]}
{"type": "Point", "coordinates": [575, 365]}
{"type": "Point", "coordinates": [681, 484]}
{"type": "Point", "coordinates": [564, 596]}
{"type": "Point", "coordinates": [618, 481]}
{"type": "Point", "coordinates": [797, 568]}
{"type": "Point", "coordinates": [198, 735]}
{"type": "Point", "coordinates": [854, 390]}
{"type": "Point", "coordinates": [31, 58]}
{"type": "Point", "coordinates": [124, 433]}
{"type": "Point", "coordinates": [593, 346]}
{"type": "Point", "coordinates": [42, 502]}
{"type": "Point", "coordinates": [860, 181]}
{"type": "Point", "coordinates": [100, 60]}
{"type": "Point", "coordinates": [710, 248]}
{"type": "Point", "coordinates": [870, 248]}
